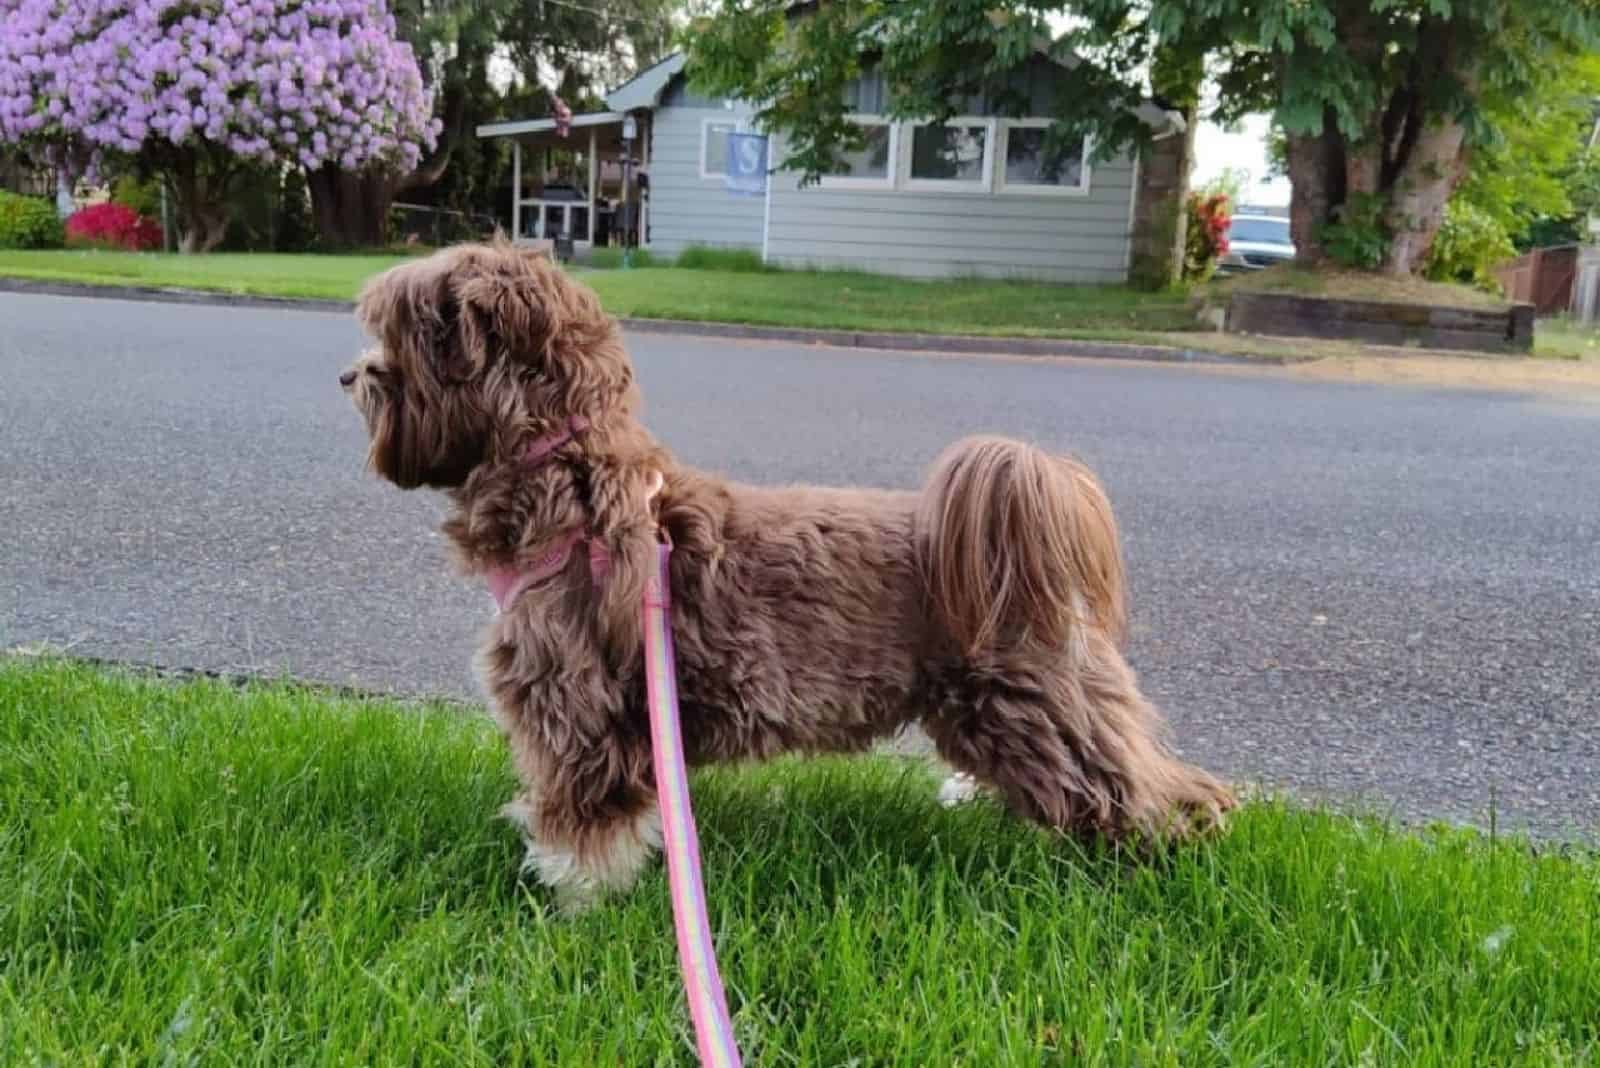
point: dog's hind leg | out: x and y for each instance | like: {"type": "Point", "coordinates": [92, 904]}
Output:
{"type": "Point", "coordinates": [1075, 748]}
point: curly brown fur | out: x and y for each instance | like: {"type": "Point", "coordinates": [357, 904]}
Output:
{"type": "Point", "coordinates": [988, 607]}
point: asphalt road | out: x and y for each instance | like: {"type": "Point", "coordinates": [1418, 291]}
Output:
{"type": "Point", "coordinates": [1384, 595]}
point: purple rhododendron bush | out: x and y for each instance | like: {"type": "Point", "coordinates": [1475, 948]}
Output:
{"type": "Point", "coordinates": [200, 89]}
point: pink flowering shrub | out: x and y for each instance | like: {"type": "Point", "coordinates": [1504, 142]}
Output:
{"type": "Point", "coordinates": [113, 225]}
{"type": "Point", "coordinates": [196, 86]}
{"type": "Point", "coordinates": [305, 81]}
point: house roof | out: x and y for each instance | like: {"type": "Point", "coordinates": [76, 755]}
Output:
{"type": "Point", "coordinates": [533, 126]}
{"type": "Point", "coordinates": [644, 89]}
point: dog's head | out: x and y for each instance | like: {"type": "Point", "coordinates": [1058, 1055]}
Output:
{"type": "Point", "coordinates": [479, 348]}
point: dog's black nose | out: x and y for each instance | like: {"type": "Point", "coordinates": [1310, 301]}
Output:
{"type": "Point", "coordinates": [347, 379]}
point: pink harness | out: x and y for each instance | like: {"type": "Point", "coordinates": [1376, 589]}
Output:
{"type": "Point", "coordinates": [506, 584]}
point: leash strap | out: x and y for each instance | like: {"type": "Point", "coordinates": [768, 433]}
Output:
{"type": "Point", "coordinates": [708, 1007]}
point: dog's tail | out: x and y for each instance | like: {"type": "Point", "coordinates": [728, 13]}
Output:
{"type": "Point", "coordinates": [1017, 546]}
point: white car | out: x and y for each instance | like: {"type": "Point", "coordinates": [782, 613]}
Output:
{"type": "Point", "coordinates": [1256, 241]}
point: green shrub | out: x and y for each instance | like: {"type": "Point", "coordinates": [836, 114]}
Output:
{"type": "Point", "coordinates": [1469, 246]}
{"type": "Point", "coordinates": [1358, 237]}
{"type": "Point", "coordinates": [705, 258]}
{"type": "Point", "coordinates": [29, 222]}
{"type": "Point", "coordinates": [143, 197]}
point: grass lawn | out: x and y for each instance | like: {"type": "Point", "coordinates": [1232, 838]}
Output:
{"type": "Point", "coordinates": [837, 300]}
{"type": "Point", "coordinates": [195, 873]}
{"type": "Point", "coordinates": [258, 274]}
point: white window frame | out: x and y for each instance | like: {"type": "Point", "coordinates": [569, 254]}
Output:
{"type": "Point", "coordinates": [891, 169]}
{"type": "Point", "coordinates": [738, 124]}
{"type": "Point", "coordinates": [1002, 149]}
{"type": "Point", "coordinates": [984, 184]}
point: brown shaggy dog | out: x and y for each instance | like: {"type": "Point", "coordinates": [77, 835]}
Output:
{"type": "Point", "coordinates": [988, 607]}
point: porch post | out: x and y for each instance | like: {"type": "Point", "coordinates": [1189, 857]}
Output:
{"type": "Point", "coordinates": [516, 189]}
{"type": "Point", "coordinates": [647, 135]}
{"type": "Point", "coordinates": [594, 179]}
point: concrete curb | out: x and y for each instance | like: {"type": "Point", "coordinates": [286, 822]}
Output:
{"type": "Point", "coordinates": [948, 344]}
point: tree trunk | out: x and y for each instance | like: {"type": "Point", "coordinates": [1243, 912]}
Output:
{"type": "Point", "coordinates": [1317, 186]}
{"type": "Point", "coordinates": [1418, 197]}
{"type": "Point", "coordinates": [201, 191]}
{"type": "Point", "coordinates": [351, 210]}
{"type": "Point", "coordinates": [1159, 220]}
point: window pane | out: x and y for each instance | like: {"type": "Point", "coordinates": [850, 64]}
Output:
{"type": "Point", "coordinates": [871, 160]}
{"type": "Point", "coordinates": [1030, 160]}
{"type": "Point", "coordinates": [948, 153]}
{"type": "Point", "coordinates": [716, 146]}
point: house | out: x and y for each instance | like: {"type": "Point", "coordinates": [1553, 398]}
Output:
{"type": "Point", "coordinates": [976, 196]}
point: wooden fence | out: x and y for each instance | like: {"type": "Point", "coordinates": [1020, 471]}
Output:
{"type": "Point", "coordinates": [1543, 278]}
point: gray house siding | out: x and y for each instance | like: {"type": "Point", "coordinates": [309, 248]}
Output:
{"type": "Point", "coordinates": [686, 209]}
{"type": "Point", "coordinates": [933, 234]}
{"type": "Point", "coordinates": [939, 235]}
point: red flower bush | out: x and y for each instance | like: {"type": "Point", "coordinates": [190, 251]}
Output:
{"type": "Point", "coordinates": [113, 225]}
{"type": "Point", "coordinates": [1207, 235]}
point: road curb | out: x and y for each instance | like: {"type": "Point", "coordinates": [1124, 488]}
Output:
{"type": "Point", "coordinates": [948, 344]}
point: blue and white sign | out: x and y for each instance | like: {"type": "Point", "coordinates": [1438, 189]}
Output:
{"type": "Point", "coordinates": [747, 164]}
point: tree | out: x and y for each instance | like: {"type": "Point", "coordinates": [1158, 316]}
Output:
{"type": "Point", "coordinates": [1533, 173]}
{"type": "Point", "coordinates": [202, 89]}
{"type": "Point", "coordinates": [1382, 101]}
{"type": "Point", "coordinates": [484, 59]}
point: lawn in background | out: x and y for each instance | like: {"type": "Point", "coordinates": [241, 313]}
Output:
{"type": "Point", "coordinates": [253, 273]}
{"type": "Point", "coordinates": [269, 876]}
{"type": "Point", "coordinates": [834, 300]}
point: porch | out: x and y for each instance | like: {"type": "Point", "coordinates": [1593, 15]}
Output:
{"type": "Point", "coordinates": [582, 190]}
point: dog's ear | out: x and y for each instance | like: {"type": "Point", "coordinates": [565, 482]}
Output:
{"type": "Point", "coordinates": [414, 312]}
{"type": "Point", "coordinates": [509, 308]}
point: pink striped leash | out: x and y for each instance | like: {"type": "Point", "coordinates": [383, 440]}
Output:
{"type": "Point", "coordinates": [702, 984]}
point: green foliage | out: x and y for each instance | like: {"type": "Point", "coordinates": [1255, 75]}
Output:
{"type": "Point", "coordinates": [29, 222]}
{"type": "Point", "coordinates": [1583, 184]}
{"type": "Point", "coordinates": [1536, 168]}
{"type": "Point", "coordinates": [1470, 244]}
{"type": "Point", "coordinates": [142, 195]}
{"type": "Point", "coordinates": [1366, 77]}
{"type": "Point", "coordinates": [705, 258]}
{"type": "Point", "coordinates": [270, 211]}
{"type": "Point", "coordinates": [1230, 182]}
{"type": "Point", "coordinates": [1358, 234]}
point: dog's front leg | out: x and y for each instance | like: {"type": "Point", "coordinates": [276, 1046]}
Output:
{"type": "Point", "coordinates": [588, 813]}
{"type": "Point", "coordinates": [585, 858]}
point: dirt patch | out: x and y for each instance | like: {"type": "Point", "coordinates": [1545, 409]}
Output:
{"type": "Point", "coordinates": [1570, 378]}
{"type": "Point", "coordinates": [1352, 362]}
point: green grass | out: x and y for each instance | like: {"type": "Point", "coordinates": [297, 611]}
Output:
{"type": "Point", "coordinates": [845, 300]}
{"type": "Point", "coordinates": [256, 274]}
{"type": "Point", "coordinates": [1562, 338]}
{"type": "Point", "coordinates": [825, 300]}
{"type": "Point", "coordinates": [199, 874]}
